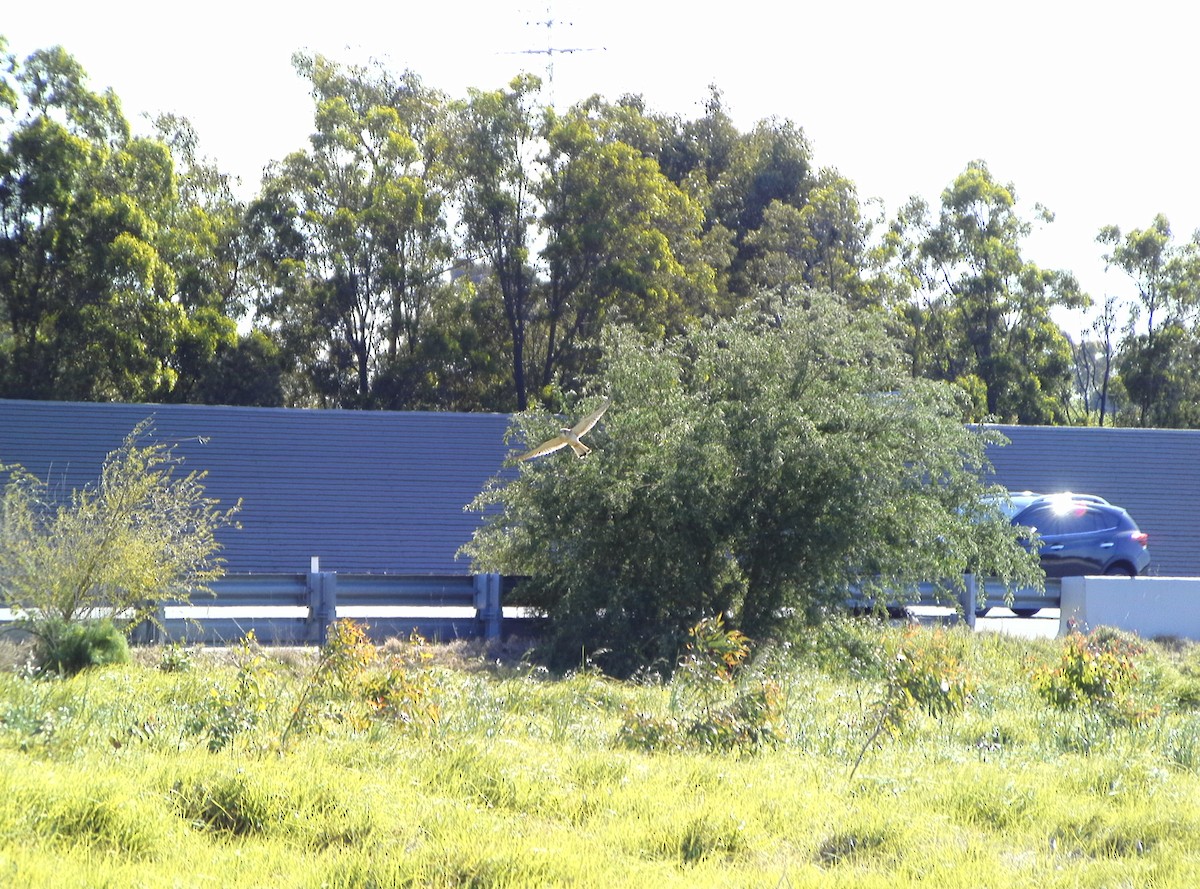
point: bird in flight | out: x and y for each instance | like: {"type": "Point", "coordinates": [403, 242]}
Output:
{"type": "Point", "coordinates": [570, 437]}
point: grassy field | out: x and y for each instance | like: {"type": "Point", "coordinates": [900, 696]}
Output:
{"type": "Point", "coordinates": [447, 766]}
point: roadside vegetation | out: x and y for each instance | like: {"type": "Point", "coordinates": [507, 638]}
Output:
{"type": "Point", "coordinates": [870, 755]}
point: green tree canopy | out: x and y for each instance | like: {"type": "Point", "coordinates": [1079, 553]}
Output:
{"type": "Point", "coordinates": [824, 244]}
{"type": "Point", "coordinates": [84, 291]}
{"type": "Point", "coordinates": [757, 469]}
{"type": "Point", "coordinates": [204, 240]}
{"type": "Point", "coordinates": [622, 242]}
{"type": "Point", "coordinates": [352, 235]}
{"type": "Point", "coordinates": [983, 314]}
{"type": "Point", "coordinates": [1156, 360]}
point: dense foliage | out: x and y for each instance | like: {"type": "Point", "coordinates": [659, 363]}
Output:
{"type": "Point", "coordinates": [756, 468]}
{"type": "Point", "coordinates": [119, 254]}
{"type": "Point", "coordinates": [432, 252]}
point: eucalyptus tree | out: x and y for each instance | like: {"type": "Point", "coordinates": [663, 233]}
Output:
{"type": "Point", "coordinates": [1156, 358]}
{"type": "Point", "coordinates": [770, 214]}
{"type": "Point", "coordinates": [494, 144]}
{"type": "Point", "coordinates": [351, 232]}
{"type": "Point", "coordinates": [982, 313]}
{"type": "Point", "coordinates": [579, 229]}
{"type": "Point", "coordinates": [622, 243]}
{"type": "Point", "coordinates": [85, 293]}
{"type": "Point", "coordinates": [1165, 273]}
{"type": "Point", "coordinates": [1098, 392]}
{"type": "Point", "coordinates": [205, 241]}
{"type": "Point", "coordinates": [824, 243]}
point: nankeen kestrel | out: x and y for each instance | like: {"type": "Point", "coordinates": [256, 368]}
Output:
{"type": "Point", "coordinates": [570, 436]}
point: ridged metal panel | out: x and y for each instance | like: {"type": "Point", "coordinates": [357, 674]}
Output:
{"type": "Point", "coordinates": [384, 492]}
{"type": "Point", "coordinates": [365, 491]}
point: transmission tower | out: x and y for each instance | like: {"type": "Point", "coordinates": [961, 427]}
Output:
{"type": "Point", "coordinates": [549, 22]}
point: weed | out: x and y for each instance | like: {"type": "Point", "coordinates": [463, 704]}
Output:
{"type": "Point", "coordinates": [66, 647]}
{"type": "Point", "coordinates": [924, 675]}
{"type": "Point", "coordinates": [102, 819]}
{"type": "Point", "coordinates": [176, 658]}
{"type": "Point", "coordinates": [231, 711]}
{"type": "Point", "coordinates": [852, 847]}
{"type": "Point", "coordinates": [351, 684]}
{"type": "Point", "coordinates": [718, 702]}
{"type": "Point", "coordinates": [1181, 746]}
{"type": "Point", "coordinates": [1095, 674]}
{"type": "Point", "coordinates": [228, 803]}
{"type": "Point", "coordinates": [520, 785]}
{"type": "Point", "coordinates": [700, 838]}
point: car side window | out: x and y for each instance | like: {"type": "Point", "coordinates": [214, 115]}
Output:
{"type": "Point", "coordinates": [1080, 522]}
{"type": "Point", "coordinates": [1044, 519]}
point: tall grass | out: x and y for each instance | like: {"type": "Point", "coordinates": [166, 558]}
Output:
{"type": "Point", "coordinates": [517, 778]}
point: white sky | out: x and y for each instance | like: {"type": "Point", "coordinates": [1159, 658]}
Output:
{"type": "Point", "coordinates": [1086, 107]}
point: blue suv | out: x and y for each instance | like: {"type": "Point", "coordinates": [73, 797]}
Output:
{"type": "Point", "coordinates": [1080, 534]}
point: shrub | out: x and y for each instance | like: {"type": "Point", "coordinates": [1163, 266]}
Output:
{"type": "Point", "coordinates": [1094, 673]}
{"type": "Point", "coordinates": [231, 711]}
{"type": "Point", "coordinates": [140, 535]}
{"type": "Point", "coordinates": [65, 648]}
{"type": "Point", "coordinates": [756, 469]}
{"type": "Point", "coordinates": [924, 674]}
{"type": "Point", "coordinates": [352, 684]}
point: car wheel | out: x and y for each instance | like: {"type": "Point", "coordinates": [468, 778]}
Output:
{"type": "Point", "coordinates": [1119, 571]}
{"type": "Point", "coordinates": [1025, 612]}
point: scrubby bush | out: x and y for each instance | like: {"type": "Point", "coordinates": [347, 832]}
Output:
{"type": "Point", "coordinates": [1096, 673]}
{"type": "Point", "coordinates": [924, 675]}
{"type": "Point", "coordinates": [232, 709]}
{"type": "Point", "coordinates": [66, 648]}
{"type": "Point", "coordinates": [353, 683]}
{"type": "Point", "coordinates": [140, 535]}
{"type": "Point", "coordinates": [758, 469]}
{"type": "Point", "coordinates": [720, 700]}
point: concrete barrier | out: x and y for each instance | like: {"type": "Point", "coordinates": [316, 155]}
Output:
{"type": "Point", "coordinates": [1148, 606]}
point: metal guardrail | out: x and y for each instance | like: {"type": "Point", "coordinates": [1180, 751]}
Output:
{"type": "Point", "coordinates": [973, 600]}
{"type": "Point", "coordinates": [297, 609]}
{"type": "Point", "coordinates": [283, 609]}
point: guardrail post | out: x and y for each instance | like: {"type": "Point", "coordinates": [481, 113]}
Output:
{"type": "Point", "coordinates": [488, 611]}
{"type": "Point", "coordinates": [970, 599]}
{"type": "Point", "coordinates": [322, 605]}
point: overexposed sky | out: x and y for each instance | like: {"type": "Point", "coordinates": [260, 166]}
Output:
{"type": "Point", "coordinates": [1086, 108]}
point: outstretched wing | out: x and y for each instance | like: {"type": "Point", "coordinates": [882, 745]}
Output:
{"type": "Point", "coordinates": [545, 447]}
{"type": "Point", "coordinates": [590, 420]}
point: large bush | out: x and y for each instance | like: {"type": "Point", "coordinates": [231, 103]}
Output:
{"type": "Point", "coordinates": [142, 534]}
{"type": "Point", "coordinates": [755, 469]}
